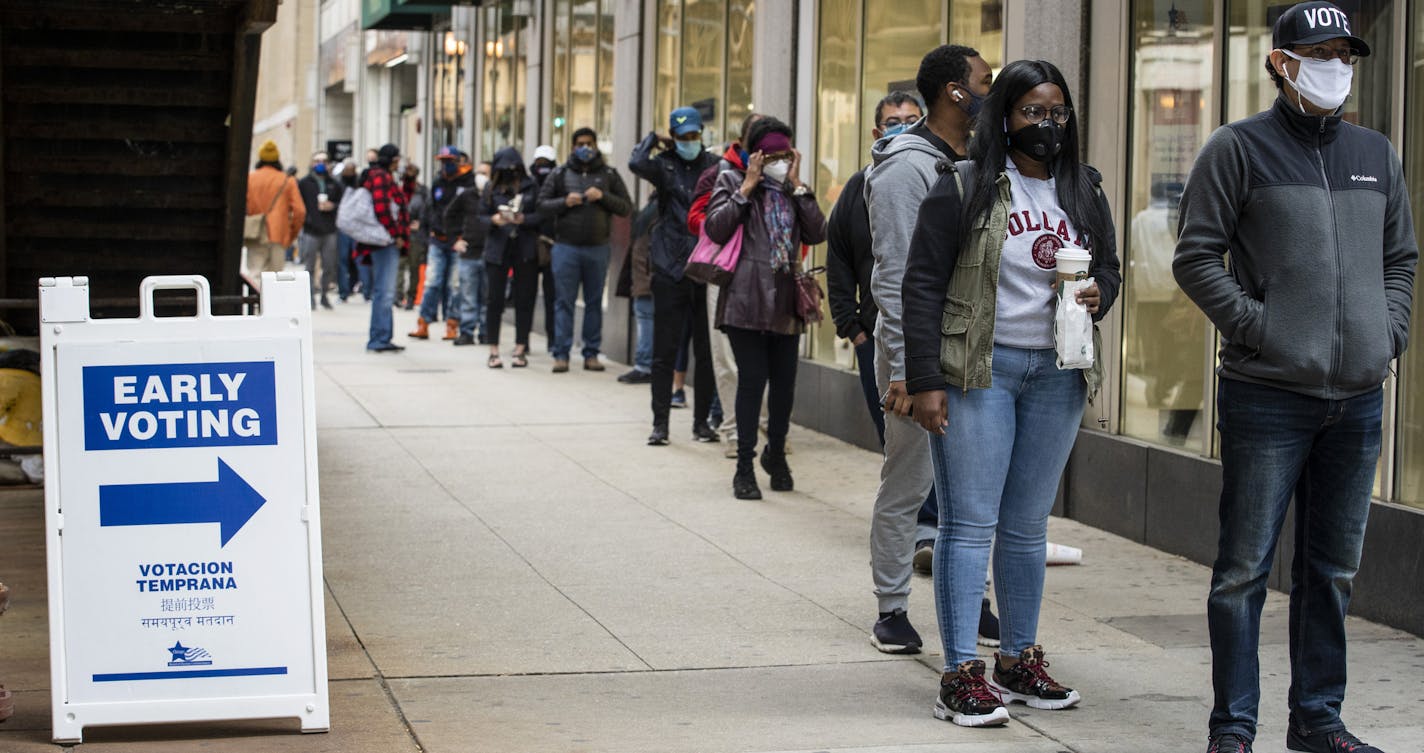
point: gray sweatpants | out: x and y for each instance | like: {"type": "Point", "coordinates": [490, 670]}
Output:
{"type": "Point", "coordinates": [314, 250]}
{"type": "Point", "coordinates": [906, 476]}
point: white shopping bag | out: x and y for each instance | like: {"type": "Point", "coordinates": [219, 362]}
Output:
{"type": "Point", "coordinates": [1073, 327]}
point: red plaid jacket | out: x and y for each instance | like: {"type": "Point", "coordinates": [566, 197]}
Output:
{"type": "Point", "coordinates": [385, 191]}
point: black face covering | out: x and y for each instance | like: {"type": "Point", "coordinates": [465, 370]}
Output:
{"type": "Point", "coordinates": [1041, 142]}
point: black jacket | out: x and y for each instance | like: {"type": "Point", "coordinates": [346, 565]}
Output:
{"type": "Point", "coordinates": [319, 222]}
{"type": "Point", "coordinates": [850, 261]}
{"type": "Point", "coordinates": [511, 244]}
{"type": "Point", "coordinates": [442, 194]}
{"type": "Point", "coordinates": [675, 180]}
{"type": "Point", "coordinates": [462, 222]}
{"type": "Point", "coordinates": [587, 224]}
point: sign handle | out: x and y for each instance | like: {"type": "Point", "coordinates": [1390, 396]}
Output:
{"type": "Point", "coordinates": [196, 283]}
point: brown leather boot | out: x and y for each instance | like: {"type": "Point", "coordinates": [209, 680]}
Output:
{"type": "Point", "coordinates": [452, 329]}
{"type": "Point", "coordinates": [422, 329]}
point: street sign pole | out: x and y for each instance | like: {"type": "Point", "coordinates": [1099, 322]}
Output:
{"type": "Point", "coordinates": [183, 524]}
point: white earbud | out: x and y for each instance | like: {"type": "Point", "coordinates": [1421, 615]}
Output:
{"type": "Point", "coordinates": [958, 96]}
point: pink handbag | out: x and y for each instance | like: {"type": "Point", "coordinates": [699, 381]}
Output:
{"type": "Point", "coordinates": [713, 263]}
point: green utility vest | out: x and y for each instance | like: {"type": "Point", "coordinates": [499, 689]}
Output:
{"type": "Point", "coordinates": [966, 349]}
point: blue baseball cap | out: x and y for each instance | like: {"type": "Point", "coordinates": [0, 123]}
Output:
{"type": "Point", "coordinates": [448, 152]}
{"type": "Point", "coordinates": [685, 120]}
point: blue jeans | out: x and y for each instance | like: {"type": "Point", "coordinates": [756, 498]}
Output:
{"type": "Point", "coordinates": [643, 355]}
{"type": "Point", "coordinates": [472, 297]}
{"type": "Point", "coordinates": [1275, 443]}
{"type": "Point", "coordinates": [996, 474]}
{"type": "Point", "coordinates": [865, 362]}
{"type": "Point", "coordinates": [575, 266]}
{"type": "Point", "coordinates": [344, 246]}
{"type": "Point", "coordinates": [382, 273]}
{"type": "Point", "coordinates": [440, 270]}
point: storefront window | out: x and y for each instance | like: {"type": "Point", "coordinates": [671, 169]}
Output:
{"type": "Point", "coordinates": [739, 67]}
{"type": "Point", "coordinates": [705, 52]}
{"type": "Point", "coordinates": [582, 88]}
{"type": "Point", "coordinates": [979, 25]}
{"type": "Point", "coordinates": [559, 94]}
{"type": "Point", "coordinates": [1409, 464]}
{"type": "Point", "coordinates": [669, 64]}
{"type": "Point", "coordinates": [505, 50]}
{"type": "Point", "coordinates": [1166, 335]}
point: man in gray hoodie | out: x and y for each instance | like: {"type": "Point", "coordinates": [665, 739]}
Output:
{"type": "Point", "coordinates": [1315, 304]}
{"type": "Point", "coordinates": [953, 80]}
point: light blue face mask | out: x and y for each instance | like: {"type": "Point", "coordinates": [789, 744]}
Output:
{"type": "Point", "coordinates": [895, 130]}
{"type": "Point", "coordinates": [689, 150]}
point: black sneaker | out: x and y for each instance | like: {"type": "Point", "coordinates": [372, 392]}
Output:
{"type": "Point", "coordinates": [659, 436]}
{"type": "Point", "coordinates": [704, 433]}
{"type": "Point", "coordinates": [464, 339]}
{"type": "Point", "coordinates": [635, 376]}
{"type": "Point", "coordinates": [1339, 741]}
{"type": "Point", "coordinates": [1228, 743]}
{"type": "Point", "coordinates": [893, 634]}
{"type": "Point", "coordinates": [1028, 682]}
{"type": "Point", "coordinates": [966, 699]}
{"type": "Point", "coordinates": [776, 467]}
{"type": "Point", "coordinates": [386, 348]}
{"type": "Point", "coordinates": [924, 556]}
{"type": "Point", "coordinates": [744, 484]}
{"type": "Point", "coordinates": [988, 626]}
{"type": "Point", "coordinates": [679, 399]}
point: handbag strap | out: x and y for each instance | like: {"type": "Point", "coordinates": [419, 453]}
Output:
{"type": "Point", "coordinates": [278, 195]}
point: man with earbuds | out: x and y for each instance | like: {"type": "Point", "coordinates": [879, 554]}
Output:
{"type": "Point", "coordinates": [1313, 307]}
{"type": "Point", "coordinates": [952, 80]}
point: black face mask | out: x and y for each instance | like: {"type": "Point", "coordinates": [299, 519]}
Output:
{"type": "Point", "coordinates": [1041, 142]}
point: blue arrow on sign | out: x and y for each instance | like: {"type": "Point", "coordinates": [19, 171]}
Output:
{"type": "Point", "coordinates": [229, 501]}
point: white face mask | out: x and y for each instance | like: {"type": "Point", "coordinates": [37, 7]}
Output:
{"type": "Point", "coordinates": [481, 180]}
{"type": "Point", "coordinates": [777, 170]}
{"type": "Point", "coordinates": [1325, 84]}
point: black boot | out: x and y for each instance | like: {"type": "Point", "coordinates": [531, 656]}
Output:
{"type": "Point", "coordinates": [744, 484]}
{"type": "Point", "coordinates": [775, 466]}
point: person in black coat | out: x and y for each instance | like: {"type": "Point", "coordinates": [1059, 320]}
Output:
{"type": "Point", "coordinates": [321, 193]}
{"type": "Point", "coordinates": [510, 219]}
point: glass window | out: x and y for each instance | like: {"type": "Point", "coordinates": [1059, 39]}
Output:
{"type": "Point", "coordinates": [704, 50]}
{"type": "Point", "coordinates": [897, 36]}
{"type": "Point", "coordinates": [740, 25]}
{"type": "Point", "coordinates": [505, 64]}
{"type": "Point", "coordinates": [559, 98]}
{"type": "Point", "coordinates": [603, 108]}
{"type": "Point", "coordinates": [449, 87]}
{"type": "Point", "coordinates": [583, 65]}
{"type": "Point", "coordinates": [1164, 371]}
{"type": "Point", "coordinates": [669, 65]}
{"type": "Point", "coordinates": [979, 25]}
{"type": "Point", "coordinates": [838, 130]}
{"type": "Point", "coordinates": [1409, 487]}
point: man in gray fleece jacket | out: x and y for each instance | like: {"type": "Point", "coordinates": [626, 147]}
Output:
{"type": "Point", "coordinates": [952, 80]}
{"type": "Point", "coordinates": [1313, 307]}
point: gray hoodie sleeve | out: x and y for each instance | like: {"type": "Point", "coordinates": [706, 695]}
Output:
{"type": "Point", "coordinates": [1401, 254]}
{"type": "Point", "coordinates": [894, 190]}
{"type": "Point", "coordinates": [1210, 208]}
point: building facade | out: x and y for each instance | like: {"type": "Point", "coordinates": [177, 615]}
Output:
{"type": "Point", "coordinates": [1151, 79]}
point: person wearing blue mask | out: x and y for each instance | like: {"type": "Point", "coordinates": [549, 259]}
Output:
{"type": "Point", "coordinates": [952, 81]}
{"type": "Point", "coordinates": [321, 193]}
{"type": "Point", "coordinates": [583, 194]}
{"type": "Point", "coordinates": [453, 178]}
{"type": "Point", "coordinates": [677, 300]}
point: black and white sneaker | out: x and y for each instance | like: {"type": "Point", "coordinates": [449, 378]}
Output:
{"type": "Point", "coordinates": [988, 626]}
{"type": "Point", "coordinates": [659, 436]}
{"type": "Point", "coordinates": [1339, 741]}
{"type": "Point", "coordinates": [701, 432]}
{"type": "Point", "coordinates": [1028, 682]}
{"type": "Point", "coordinates": [893, 634]}
{"type": "Point", "coordinates": [966, 699]}
{"type": "Point", "coordinates": [924, 557]}
{"type": "Point", "coordinates": [1228, 743]}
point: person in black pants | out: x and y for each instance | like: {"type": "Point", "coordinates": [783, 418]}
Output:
{"type": "Point", "coordinates": [508, 213]}
{"type": "Point", "coordinates": [676, 299]}
{"type": "Point", "coordinates": [777, 214]}
{"type": "Point", "coordinates": [545, 160]}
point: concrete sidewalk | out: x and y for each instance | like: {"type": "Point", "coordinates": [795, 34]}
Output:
{"type": "Point", "coordinates": [510, 569]}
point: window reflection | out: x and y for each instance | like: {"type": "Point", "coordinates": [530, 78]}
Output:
{"type": "Point", "coordinates": [1166, 335]}
{"type": "Point", "coordinates": [1409, 488]}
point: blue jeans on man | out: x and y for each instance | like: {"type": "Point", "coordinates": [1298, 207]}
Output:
{"type": "Point", "coordinates": [382, 273]}
{"type": "Point", "coordinates": [345, 244]}
{"type": "Point", "coordinates": [471, 308]}
{"type": "Point", "coordinates": [643, 354]}
{"type": "Point", "coordinates": [578, 267]}
{"type": "Point", "coordinates": [1275, 444]}
{"type": "Point", "coordinates": [440, 270]}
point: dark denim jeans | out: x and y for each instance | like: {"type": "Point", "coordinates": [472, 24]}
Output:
{"type": "Point", "coordinates": [1275, 443]}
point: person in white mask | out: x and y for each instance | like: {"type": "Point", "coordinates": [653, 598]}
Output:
{"type": "Point", "coordinates": [1312, 309]}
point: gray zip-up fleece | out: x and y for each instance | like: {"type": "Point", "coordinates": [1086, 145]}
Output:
{"type": "Point", "coordinates": [902, 171]}
{"type": "Point", "coordinates": [1315, 214]}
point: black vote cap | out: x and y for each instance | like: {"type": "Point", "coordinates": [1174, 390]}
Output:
{"type": "Point", "coordinates": [1309, 23]}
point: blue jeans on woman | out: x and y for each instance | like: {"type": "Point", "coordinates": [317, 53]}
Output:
{"type": "Point", "coordinates": [382, 273]}
{"type": "Point", "coordinates": [1274, 444]}
{"type": "Point", "coordinates": [996, 475]}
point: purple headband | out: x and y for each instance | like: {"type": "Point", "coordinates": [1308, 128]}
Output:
{"type": "Point", "coordinates": [773, 143]}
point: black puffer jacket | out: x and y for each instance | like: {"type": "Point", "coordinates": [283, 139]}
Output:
{"type": "Point", "coordinates": [587, 224]}
{"type": "Point", "coordinates": [443, 192]}
{"type": "Point", "coordinates": [319, 222]}
{"type": "Point", "coordinates": [676, 182]}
